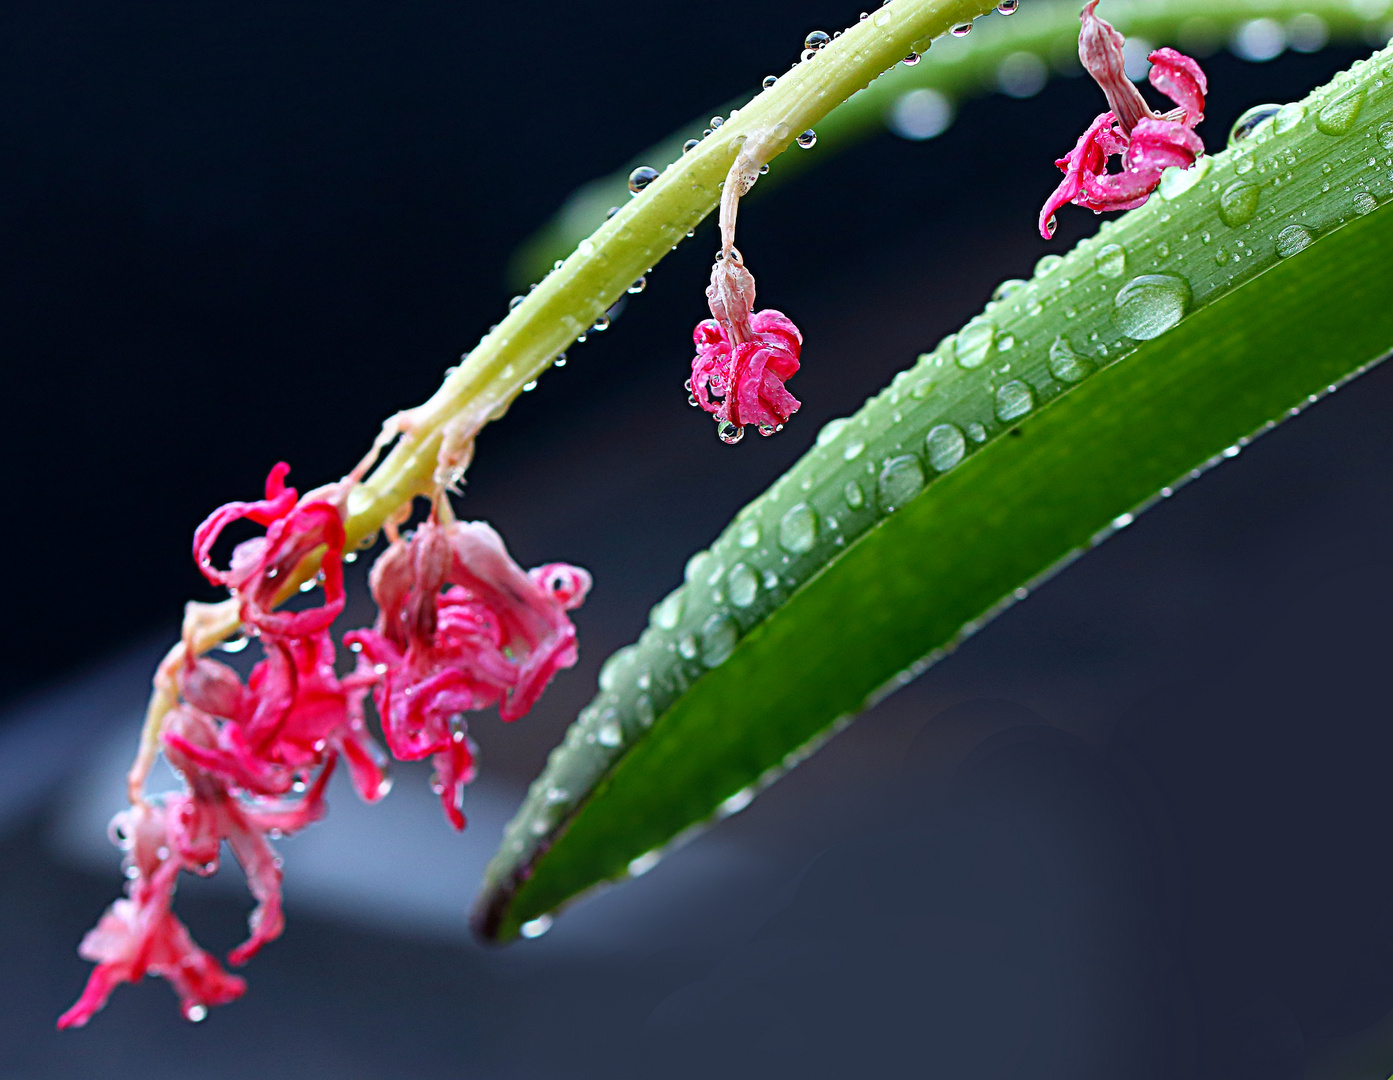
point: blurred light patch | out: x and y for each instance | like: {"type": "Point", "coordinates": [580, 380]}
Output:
{"type": "Point", "coordinates": [1200, 37]}
{"type": "Point", "coordinates": [1307, 33]}
{"type": "Point", "coordinates": [1259, 40]}
{"type": "Point", "coordinates": [1021, 75]}
{"type": "Point", "coordinates": [1134, 57]}
{"type": "Point", "coordinates": [920, 114]}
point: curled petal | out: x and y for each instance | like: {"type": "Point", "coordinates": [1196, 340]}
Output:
{"type": "Point", "coordinates": [454, 767]}
{"type": "Point", "coordinates": [1088, 158]}
{"type": "Point", "coordinates": [1100, 51]}
{"type": "Point", "coordinates": [567, 585]}
{"type": "Point", "coordinates": [1180, 79]}
{"type": "Point", "coordinates": [757, 390]}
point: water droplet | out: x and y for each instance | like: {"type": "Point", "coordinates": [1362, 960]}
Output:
{"type": "Point", "coordinates": [667, 614]}
{"type": "Point", "coordinates": [609, 734]}
{"type": "Point", "coordinates": [900, 480]}
{"type": "Point", "coordinates": [798, 529]}
{"type": "Point", "coordinates": [687, 646]}
{"type": "Point", "coordinates": [638, 286]}
{"type": "Point", "coordinates": [818, 39]}
{"type": "Point", "coordinates": [1147, 306]}
{"type": "Point", "coordinates": [1007, 288]}
{"type": "Point", "coordinates": [560, 360]}
{"type": "Point", "coordinates": [514, 302]}
{"type": "Point", "coordinates": [976, 432]}
{"type": "Point", "coordinates": [853, 496]}
{"type": "Point", "coordinates": [1247, 124]}
{"type": "Point", "coordinates": [1340, 115]}
{"type": "Point", "coordinates": [742, 585]}
{"type": "Point", "coordinates": [644, 863]}
{"type": "Point", "coordinates": [961, 30]}
{"type": "Point", "coordinates": [946, 446]}
{"type": "Point", "coordinates": [1047, 264]}
{"type": "Point", "coordinates": [641, 177]}
{"type": "Point", "coordinates": [729, 433]}
{"type": "Point", "coordinates": [853, 450]}
{"type": "Point", "coordinates": [769, 81]}
{"type": "Point", "coordinates": [690, 145]}
{"type": "Point", "coordinates": [235, 645]}
{"type": "Point", "coordinates": [1292, 239]}
{"type": "Point", "coordinates": [883, 16]}
{"type": "Point", "coordinates": [1013, 400]}
{"type": "Point", "coordinates": [196, 1013]}
{"type": "Point", "coordinates": [1008, 7]}
{"type": "Point", "coordinates": [808, 139]}
{"type": "Point", "coordinates": [1238, 203]}
{"type": "Point", "coordinates": [1111, 260]}
{"type": "Point", "coordinates": [735, 803]}
{"type": "Point", "coordinates": [601, 324]}
{"type": "Point", "coordinates": [1175, 181]}
{"type": "Point", "coordinates": [535, 928]}
{"type": "Point", "coordinates": [1288, 116]}
{"type": "Point", "coordinates": [1365, 203]}
{"type": "Point", "coordinates": [643, 709]}
{"type": "Point", "coordinates": [718, 636]}
{"type": "Point", "coordinates": [1065, 364]}
{"type": "Point", "coordinates": [910, 60]}
{"type": "Point", "coordinates": [974, 342]}
{"type": "Point", "coordinates": [831, 430]}
{"type": "Point", "coordinates": [527, 388]}
{"type": "Point", "coordinates": [1385, 135]}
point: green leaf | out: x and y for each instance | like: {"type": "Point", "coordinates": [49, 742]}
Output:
{"type": "Point", "coordinates": [1249, 287]}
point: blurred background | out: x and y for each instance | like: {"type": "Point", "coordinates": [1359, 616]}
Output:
{"type": "Point", "coordinates": [1137, 826]}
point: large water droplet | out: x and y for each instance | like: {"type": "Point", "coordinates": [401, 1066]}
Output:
{"type": "Point", "coordinates": [1147, 306]}
{"type": "Point", "coordinates": [853, 449]}
{"type": "Point", "coordinates": [687, 646]}
{"type": "Point", "coordinates": [641, 177]}
{"type": "Point", "coordinates": [609, 734]}
{"type": "Point", "coordinates": [1385, 135]}
{"type": "Point", "coordinates": [535, 928]}
{"type": "Point", "coordinates": [798, 529]}
{"type": "Point", "coordinates": [1288, 116]}
{"type": "Point", "coordinates": [638, 286]}
{"type": "Point", "coordinates": [973, 345]}
{"type": "Point", "coordinates": [946, 446]}
{"type": "Point", "coordinates": [1365, 203]}
{"type": "Point", "coordinates": [1292, 239]}
{"type": "Point", "coordinates": [831, 430]}
{"type": "Point", "coordinates": [900, 480]}
{"type": "Point", "coordinates": [613, 668]}
{"type": "Point", "coordinates": [1247, 124]}
{"type": "Point", "coordinates": [818, 39]}
{"type": "Point", "coordinates": [1014, 400]}
{"type": "Point", "coordinates": [1238, 203]}
{"type": "Point", "coordinates": [1340, 115]}
{"type": "Point", "coordinates": [910, 59]}
{"type": "Point", "coordinates": [1111, 260]}
{"type": "Point", "coordinates": [1007, 288]}
{"type": "Point", "coordinates": [643, 709]}
{"type": "Point", "coordinates": [718, 637]}
{"type": "Point", "coordinates": [1008, 7]}
{"type": "Point", "coordinates": [1065, 364]}
{"type": "Point", "coordinates": [742, 585]}
{"type": "Point", "coordinates": [961, 29]}
{"type": "Point", "coordinates": [1175, 181]}
{"type": "Point", "coordinates": [808, 139]}
{"type": "Point", "coordinates": [690, 145]}
{"type": "Point", "coordinates": [729, 433]}
{"type": "Point", "coordinates": [853, 496]}
{"type": "Point", "coordinates": [769, 81]}
{"type": "Point", "coordinates": [748, 533]}
{"type": "Point", "coordinates": [1047, 264]}
{"type": "Point", "coordinates": [667, 614]}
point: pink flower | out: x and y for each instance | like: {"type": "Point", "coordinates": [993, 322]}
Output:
{"type": "Point", "coordinates": [495, 635]}
{"type": "Point", "coordinates": [261, 566]}
{"type": "Point", "coordinates": [1147, 142]}
{"type": "Point", "coordinates": [743, 358]}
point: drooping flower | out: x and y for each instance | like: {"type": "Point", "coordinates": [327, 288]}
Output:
{"type": "Point", "coordinates": [139, 934]}
{"type": "Point", "coordinates": [1146, 141]}
{"type": "Point", "coordinates": [494, 635]}
{"type": "Point", "coordinates": [743, 356]}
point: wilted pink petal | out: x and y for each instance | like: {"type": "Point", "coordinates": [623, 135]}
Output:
{"type": "Point", "coordinates": [743, 383]}
{"type": "Point", "coordinates": [1147, 142]}
{"type": "Point", "coordinates": [260, 567]}
{"type": "Point", "coordinates": [1179, 77]}
{"type": "Point", "coordinates": [139, 934]}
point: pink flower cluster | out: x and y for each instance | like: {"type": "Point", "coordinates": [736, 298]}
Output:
{"type": "Point", "coordinates": [256, 755]}
{"type": "Point", "coordinates": [743, 357]}
{"type": "Point", "coordinates": [1147, 142]}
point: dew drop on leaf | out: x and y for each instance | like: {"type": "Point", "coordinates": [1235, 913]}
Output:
{"type": "Point", "coordinates": [961, 29]}
{"type": "Point", "coordinates": [718, 637]}
{"type": "Point", "coordinates": [974, 342]}
{"type": "Point", "coordinates": [1111, 260]}
{"type": "Point", "coordinates": [1340, 115]}
{"type": "Point", "coordinates": [808, 139]}
{"type": "Point", "coordinates": [1247, 124]}
{"type": "Point", "coordinates": [900, 480]}
{"type": "Point", "coordinates": [641, 177]}
{"type": "Point", "coordinates": [946, 446]}
{"type": "Point", "coordinates": [1365, 203]}
{"type": "Point", "coordinates": [798, 529]}
{"type": "Point", "coordinates": [1175, 181]}
{"type": "Point", "coordinates": [1065, 364]}
{"type": "Point", "coordinates": [1238, 203]}
{"type": "Point", "coordinates": [742, 585]}
{"type": "Point", "coordinates": [853, 496]}
{"type": "Point", "coordinates": [1292, 239]}
{"type": "Point", "coordinates": [1147, 306]}
{"type": "Point", "coordinates": [1014, 400]}
{"type": "Point", "coordinates": [1288, 116]}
